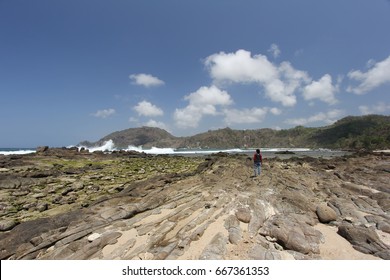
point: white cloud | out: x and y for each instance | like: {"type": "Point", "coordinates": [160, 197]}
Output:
{"type": "Point", "coordinates": [205, 96]}
{"type": "Point", "coordinates": [327, 118]}
{"type": "Point", "coordinates": [274, 50]}
{"type": "Point", "coordinates": [254, 115]}
{"type": "Point", "coordinates": [104, 113]}
{"type": "Point", "coordinates": [146, 80]}
{"type": "Point", "coordinates": [188, 117]}
{"type": "Point", "coordinates": [248, 116]}
{"type": "Point", "coordinates": [279, 82]}
{"type": "Point", "coordinates": [376, 76]}
{"type": "Point", "coordinates": [145, 108]}
{"type": "Point", "coordinates": [153, 123]}
{"type": "Point", "coordinates": [240, 67]}
{"type": "Point", "coordinates": [322, 90]}
{"type": "Point", "coordinates": [204, 101]}
{"type": "Point", "coordinates": [276, 90]}
{"type": "Point", "coordinates": [275, 111]}
{"type": "Point", "coordinates": [380, 108]}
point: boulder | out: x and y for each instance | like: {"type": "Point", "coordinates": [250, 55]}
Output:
{"type": "Point", "coordinates": [293, 234]}
{"type": "Point", "coordinates": [233, 227]}
{"type": "Point", "coordinates": [383, 226]}
{"type": "Point", "coordinates": [258, 216]}
{"type": "Point", "coordinates": [365, 240]}
{"type": "Point", "coordinates": [7, 225]}
{"type": "Point", "coordinates": [43, 206]}
{"type": "Point", "coordinates": [243, 215]}
{"type": "Point", "coordinates": [41, 149]}
{"type": "Point", "coordinates": [326, 214]}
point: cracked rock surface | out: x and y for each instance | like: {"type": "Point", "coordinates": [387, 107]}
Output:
{"type": "Point", "coordinates": [93, 206]}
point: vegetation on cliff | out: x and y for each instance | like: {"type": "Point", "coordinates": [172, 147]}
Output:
{"type": "Point", "coordinates": [362, 132]}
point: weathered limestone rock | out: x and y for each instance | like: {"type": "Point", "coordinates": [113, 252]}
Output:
{"type": "Point", "coordinates": [365, 240]}
{"type": "Point", "coordinates": [326, 214]}
{"type": "Point", "coordinates": [383, 226]}
{"type": "Point", "coordinates": [7, 225]}
{"type": "Point", "coordinates": [260, 253]}
{"type": "Point", "coordinates": [243, 215]}
{"type": "Point", "coordinates": [43, 206]}
{"type": "Point", "coordinates": [293, 234]}
{"type": "Point", "coordinates": [96, 245]}
{"type": "Point", "coordinates": [42, 149]}
{"type": "Point", "coordinates": [62, 197]}
{"type": "Point", "coordinates": [258, 216]}
{"type": "Point", "coordinates": [216, 249]}
{"type": "Point", "coordinates": [94, 236]}
{"type": "Point", "coordinates": [233, 227]}
{"type": "Point", "coordinates": [163, 253]}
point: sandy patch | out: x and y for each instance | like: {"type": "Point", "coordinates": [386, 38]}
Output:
{"type": "Point", "coordinates": [123, 245]}
{"type": "Point", "coordinates": [336, 247]}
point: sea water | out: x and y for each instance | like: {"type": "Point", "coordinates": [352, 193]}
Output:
{"type": "Point", "coordinates": [109, 146]}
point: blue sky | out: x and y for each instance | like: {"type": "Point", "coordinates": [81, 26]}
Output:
{"type": "Point", "coordinates": [79, 69]}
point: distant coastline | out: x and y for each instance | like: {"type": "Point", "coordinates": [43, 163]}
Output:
{"type": "Point", "coordinates": [109, 146]}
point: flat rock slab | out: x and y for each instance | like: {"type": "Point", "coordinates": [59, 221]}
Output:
{"type": "Point", "coordinates": [84, 206]}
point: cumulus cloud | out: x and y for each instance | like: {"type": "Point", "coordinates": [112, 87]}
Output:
{"type": "Point", "coordinates": [248, 116]}
{"type": "Point", "coordinates": [146, 80]}
{"type": "Point", "coordinates": [275, 111]}
{"type": "Point", "coordinates": [202, 102]}
{"type": "Point", "coordinates": [240, 67]}
{"type": "Point", "coordinates": [279, 82]}
{"type": "Point", "coordinates": [274, 50]}
{"type": "Point", "coordinates": [154, 123]}
{"type": "Point", "coordinates": [328, 118]}
{"type": "Point", "coordinates": [188, 117]}
{"type": "Point", "coordinates": [377, 75]}
{"type": "Point", "coordinates": [380, 108]}
{"type": "Point", "coordinates": [145, 108]}
{"type": "Point", "coordinates": [205, 96]}
{"type": "Point", "coordinates": [104, 113]}
{"type": "Point", "coordinates": [322, 89]}
{"type": "Point", "coordinates": [245, 116]}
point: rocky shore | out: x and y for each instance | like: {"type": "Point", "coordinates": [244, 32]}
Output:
{"type": "Point", "coordinates": [66, 204]}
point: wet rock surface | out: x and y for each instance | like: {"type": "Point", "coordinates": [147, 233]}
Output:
{"type": "Point", "coordinates": [65, 204]}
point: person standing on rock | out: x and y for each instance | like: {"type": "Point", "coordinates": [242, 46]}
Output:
{"type": "Point", "coordinates": [257, 161]}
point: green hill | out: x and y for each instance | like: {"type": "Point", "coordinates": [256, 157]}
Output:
{"type": "Point", "coordinates": [367, 132]}
{"type": "Point", "coordinates": [362, 132]}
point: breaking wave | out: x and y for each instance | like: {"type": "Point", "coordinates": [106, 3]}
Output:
{"type": "Point", "coordinates": [15, 151]}
{"type": "Point", "coordinates": [109, 146]}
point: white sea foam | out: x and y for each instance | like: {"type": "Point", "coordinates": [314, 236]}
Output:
{"type": "Point", "coordinates": [109, 146]}
{"type": "Point", "coordinates": [153, 150]}
{"type": "Point", "coordinates": [8, 152]}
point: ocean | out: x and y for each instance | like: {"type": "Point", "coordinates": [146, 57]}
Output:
{"type": "Point", "coordinates": [109, 146]}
